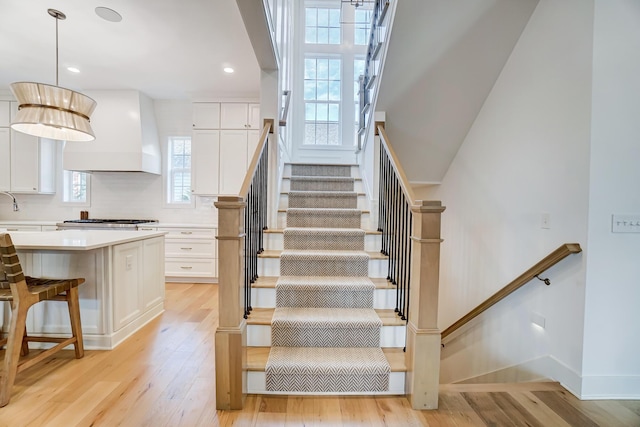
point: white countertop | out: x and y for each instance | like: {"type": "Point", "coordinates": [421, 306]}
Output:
{"type": "Point", "coordinates": [27, 222]}
{"type": "Point", "coordinates": [76, 240]}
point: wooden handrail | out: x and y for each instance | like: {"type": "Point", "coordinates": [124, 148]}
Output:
{"type": "Point", "coordinates": [251, 171]}
{"type": "Point", "coordinates": [547, 262]}
{"type": "Point", "coordinates": [395, 162]}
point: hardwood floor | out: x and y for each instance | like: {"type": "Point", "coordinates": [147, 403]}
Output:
{"type": "Point", "coordinates": [164, 376]}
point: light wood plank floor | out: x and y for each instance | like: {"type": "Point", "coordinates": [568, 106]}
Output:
{"type": "Point", "coordinates": [164, 376]}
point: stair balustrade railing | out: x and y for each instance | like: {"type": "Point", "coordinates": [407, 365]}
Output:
{"type": "Point", "coordinates": [367, 80]}
{"type": "Point", "coordinates": [411, 239]}
{"type": "Point", "coordinates": [254, 190]}
{"type": "Point", "coordinates": [395, 222]}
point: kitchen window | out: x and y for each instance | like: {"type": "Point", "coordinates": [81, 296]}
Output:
{"type": "Point", "coordinates": [179, 171]}
{"type": "Point", "coordinates": [75, 187]}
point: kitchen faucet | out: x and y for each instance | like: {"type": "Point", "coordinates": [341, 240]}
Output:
{"type": "Point", "coordinates": [15, 203]}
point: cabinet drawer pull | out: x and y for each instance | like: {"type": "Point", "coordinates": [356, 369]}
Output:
{"type": "Point", "coordinates": [186, 249]}
{"type": "Point", "coordinates": [12, 229]}
{"type": "Point", "coordinates": [186, 232]}
{"type": "Point", "coordinates": [185, 267]}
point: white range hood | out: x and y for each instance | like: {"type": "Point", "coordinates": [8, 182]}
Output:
{"type": "Point", "coordinates": [126, 136]}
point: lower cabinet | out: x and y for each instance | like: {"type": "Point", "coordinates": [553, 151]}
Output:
{"type": "Point", "coordinates": [191, 254]}
{"type": "Point", "coordinates": [138, 279]}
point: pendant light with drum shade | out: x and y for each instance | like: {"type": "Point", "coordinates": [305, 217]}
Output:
{"type": "Point", "coordinates": [53, 112]}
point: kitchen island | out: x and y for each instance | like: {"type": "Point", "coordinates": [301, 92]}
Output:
{"type": "Point", "coordinates": [124, 280]}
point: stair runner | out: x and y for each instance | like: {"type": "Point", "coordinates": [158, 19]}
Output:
{"type": "Point", "coordinates": [325, 335]}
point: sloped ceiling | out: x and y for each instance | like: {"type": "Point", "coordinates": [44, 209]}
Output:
{"type": "Point", "coordinates": [443, 58]}
{"type": "Point", "coordinates": [167, 49]}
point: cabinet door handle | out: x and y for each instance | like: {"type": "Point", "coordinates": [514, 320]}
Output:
{"type": "Point", "coordinates": [185, 267]}
{"type": "Point", "coordinates": [186, 249]}
{"type": "Point", "coordinates": [186, 232]}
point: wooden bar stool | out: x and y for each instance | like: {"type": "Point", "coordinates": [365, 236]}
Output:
{"type": "Point", "coordinates": [23, 292]}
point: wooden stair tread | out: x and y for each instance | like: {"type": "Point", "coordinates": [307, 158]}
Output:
{"type": "Point", "coordinates": [269, 282]}
{"type": "Point", "coordinates": [257, 358]}
{"type": "Point", "coordinates": [263, 316]}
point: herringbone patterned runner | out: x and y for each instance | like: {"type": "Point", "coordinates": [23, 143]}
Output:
{"type": "Point", "coordinates": [310, 238]}
{"type": "Point", "coordinates": [321, 183]}
{"type": "Point", "coordinates": [323, 199]}
{"type": "Point", "coordinates": [310, 291]}
{"type": "Point", "coordinates": [325, 335]}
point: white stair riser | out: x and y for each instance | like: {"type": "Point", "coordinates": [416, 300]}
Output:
{"type": "Point", "coordinates": [286, 186]}
{"type": "Point", "coordinates": [271, 267]}
{"type": "Point", "coordinates": [275, 241]}
{"type": "Point", "coordinates": [365, 222]}
{"type": "Point", "coordinates": [355, 171]}
{"type": "Point", "coordinates": [284, 202]}
{"type": "Point", "coordinates": [390, 336]}
{"type": "Point", "coordinates": [257, 384]}
{"type": "Point", "coordinates": [266, 298]}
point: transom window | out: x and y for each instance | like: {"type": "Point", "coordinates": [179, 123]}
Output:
{"type": "Point", "coordinates": [322, 25]}
{"type": "Point", "coordinates": [179, 182]}
{"type": "Point", "coordinates": [362, 26]}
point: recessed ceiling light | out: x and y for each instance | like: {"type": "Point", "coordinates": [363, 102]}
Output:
{"type": "Point", "coordinates": [108, 14]}
{"type": "Point", "coordinates": [73, 69]}
{"type": "Point", "coordinates": [228, 70]}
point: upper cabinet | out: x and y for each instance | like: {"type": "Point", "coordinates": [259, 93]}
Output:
{"type": "Point", "coordinates": [27, 163]}
{"type": "Point", "coordinates": [239, 116]}
{"type": "Point", "coordinates": [5, 114]}
{"type": "Point", "coordinates": [224, 139]}
{"type": "Point", "coordinates": [206, 115]}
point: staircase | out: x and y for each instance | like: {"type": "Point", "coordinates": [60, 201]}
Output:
{"type": "Point", "coordinates": [323, 318]}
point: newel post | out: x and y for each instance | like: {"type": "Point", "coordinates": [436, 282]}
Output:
{"type": "Point", "coordinates": [231, 335]}
{"type": "Point", "coordinates": [423, 336]}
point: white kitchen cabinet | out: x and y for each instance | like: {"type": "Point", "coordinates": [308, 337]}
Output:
{"type": "Point", "coordinates": [190, 253]}
{"type": "Point", "coordinates": [221, 156]}
{"type": "Point", "coordinates": [153, 278]}
{"type": "Point", "coordinates": [237, 115]}
{"type": "Point", "coordinates": [205, 155]}
{"type": "Point", "coordinates": [5, 159]}
{"type": "Point", "coordinates": [27, 163]}
{"type": "Point", "coordinates": [206, 115]}
{"type": "Point", "coordinates": [233, 160]}
{"type": "Point", "coordinates": [5, 114]}
{"type": "Point", "coordinates": [253, 119]}
{"type": "Point", "coordinates": [127, 268]}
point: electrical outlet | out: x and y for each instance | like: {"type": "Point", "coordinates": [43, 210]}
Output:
{"type": "Point", "coordinates": [625, 223]}
{"type": "Point", "coordinates": [128, 262]}
{"type": "Point", "coordinates": [545, 220]}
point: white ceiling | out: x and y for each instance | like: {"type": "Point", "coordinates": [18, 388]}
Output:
{"type": "Point", "coordinates": [167, 49]}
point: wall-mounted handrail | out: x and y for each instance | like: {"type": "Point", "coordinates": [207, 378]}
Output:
{"type": "Point", "coordinates": [547, 262]}
{"type": "Point", "coordinates": [285, 108]}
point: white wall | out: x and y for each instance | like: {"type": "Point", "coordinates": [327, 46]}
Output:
{"type": "Point", "coordinates": [527, 153]}
{"type": "Point", "coordinates": [611, 366]}
{"type": "Point", "coordinates": [121, 194]}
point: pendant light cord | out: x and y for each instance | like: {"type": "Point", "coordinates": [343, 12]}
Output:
{"type": "Point", "coordinates": [56, 51]}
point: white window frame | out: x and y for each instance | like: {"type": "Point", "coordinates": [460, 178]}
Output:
{"type": "Point", "coordinates": [68, 188]}
{"type": "Point", "coordinates": [170, 172]}
{"type": "Point", "coordinates": [347, 52]}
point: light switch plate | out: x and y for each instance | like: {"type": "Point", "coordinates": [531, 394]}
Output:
{"type": "Point", "coordinates": [625, 223]}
